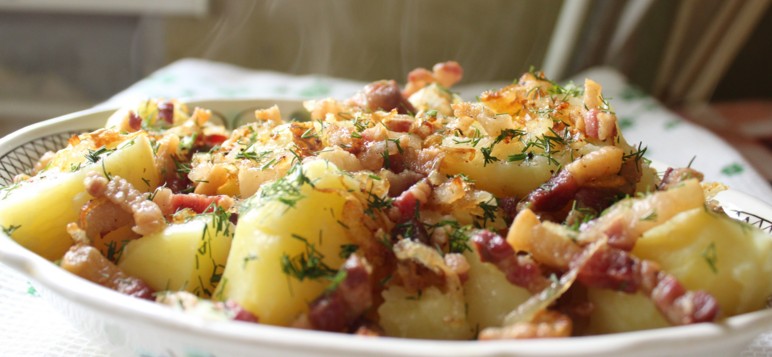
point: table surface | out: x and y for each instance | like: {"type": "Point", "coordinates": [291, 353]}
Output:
{"type": "Point", "coordinates": [30, 327]}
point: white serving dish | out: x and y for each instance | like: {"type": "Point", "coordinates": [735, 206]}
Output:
{"type": "Point", "coordinates": [134, 327]}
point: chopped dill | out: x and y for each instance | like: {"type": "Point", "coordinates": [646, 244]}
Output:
{"type": "Point", "coordinates": [306, 265]}
{"type": "Point", "coordinates": [711, 257]}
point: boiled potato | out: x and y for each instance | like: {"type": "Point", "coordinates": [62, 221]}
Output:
{"type": "Point", "coordinates": [285, 222]}
{"type": "Point", "coordinates": [703, 250]}
{"type": "Point", "coordinates": [489, 295]}
{"type": "Point", "coordinates": [36, 212]}
{"type": "Point", "coordinates": [186, 256]}
{"type": "Point", "coordinates": [431, 314]}
{"type": "Point", "coordinates": [501, 178]}
{"type": "Point", "coordinates": [620, 312]}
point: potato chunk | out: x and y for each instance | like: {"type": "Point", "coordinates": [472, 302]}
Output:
{"type": "Point", "coordinates": [187, 256]}
{"type": "Point", "coordinates": [727, 258]}
{"type": "Point", "coordinates": [289, 234]}
{"type": "Point", "coordinates": [489, 295]}
{"type": "Point", "coordinates": [431, 314]}
{"type": "Point", "coordinates": [497, 177]}
{"type": "Point", "coordinates": [621, 312]}
{"type": "Point", "coordinates": [37, 211]}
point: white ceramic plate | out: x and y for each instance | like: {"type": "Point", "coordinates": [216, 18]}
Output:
{"type": "Point", "coordinates": [129, 326]}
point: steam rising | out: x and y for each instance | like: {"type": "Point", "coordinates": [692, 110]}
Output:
{"type": "Point", "coordinates": [366, 40]}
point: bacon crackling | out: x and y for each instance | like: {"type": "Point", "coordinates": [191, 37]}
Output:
{"type": "Point", "coordinates": [520, 270]}
{"type": "Point", "coordinates": [409, 201]}
{"type": "Point", "coordinates": [86, 261]}
{"type": "Point", "coordinates": [382, 95]}
{"type": "Point", "coordinates": [170, 202]}
{"type": "Point", "coordinates": [339, 309]}
{"type": "Point", "coordinates": [593, 180]}
{"type": "Point", "coordinates": [148, 217]}
{"type": "Point", "coordinates": [445, 74]}
{"type": "Point", "coordinates": [609, 268]}
{"type": "Point", "coordinates": [420, 266]}
{"type": "Point", "coordinates": [616, 269]}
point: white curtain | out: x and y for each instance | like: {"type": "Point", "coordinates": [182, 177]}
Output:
{"type": "Point", "coordinates": [679, 50]}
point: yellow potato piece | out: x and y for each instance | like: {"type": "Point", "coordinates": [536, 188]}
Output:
{"type": "Point", "coordinates": [620, 312]}
{"type": "Point", "coordinates": [489, 295]}
{"type": "Point", "coordinates": [186, 256]}
{"type": "Point", "coordinates": [431, 314]}
{"type": "Point", "coordinates": [37, 212]}
{"type": "Point", "coordinates": [501, 178]}
{"type": "Point", "coordinates": [727, 258]}
{"type": "Point", "coordinates": [272, 230]}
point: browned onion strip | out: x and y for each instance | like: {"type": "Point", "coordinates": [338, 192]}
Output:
{"type": "Point", "coordinates": [526, 311]}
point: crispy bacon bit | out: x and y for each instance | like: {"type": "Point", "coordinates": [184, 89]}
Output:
{"type": "Point", "coordinates": [399, 183]}
{"type": "Point", "coordinates": [448, 73]}
{"type": "Point", "coordinates": [417, 79]}
{"type": "Point", "coordinates": [610, 268]}
{"type": "Point", "coordinates": [520, 270]}
{"type": "Point", "coordinates": [544, 325]}
{"type": "Point", "coordinates": [135, 122]}
{"type": "Point", "coordinates": [414, 276]}
{"type": "Point", "coordinates": [508, 207]}
{"type": "Point", "coordinates": [148, 217]}
{"type": "Point", "coordinates": [167, 157]}
{"type": "Point", "coordinates": [596, 199]}
{"type": "Point", "coordinates": [411, 229]}
{"type": "Point", "coordinates": [166, 112]}
{"type": "Point", "coordinates": [591, 123]}
{"type": "Point", "coordinates": [592, 180]}
{"type": "Point", "coordinates": [100, 216]}
{"type": "Point", "coordinates": [599, 124]}
{"type": "Point", "coordinates": [617, 269]}
{"type": "Point", "coordinates": [673, 177]}
{"type": "Point", "coordinates": [553, 195]}
{"type": "Point", "coordinates": [211, 140]}
{"type": "Point", "coordinates": [445, 73]}
{"type": "Point", "coordinates": [400, 124]}
{"type": "Point", "coordinates": [338, 309]}
{"type": "Point", "coordinates": [86, 261]}
{"type": "Point", "coordinates": [170, 202]}
{"type": "Point", "coordinates": [408, 202]}
{"type": "Point", "coordinates": [199, 203]}
{"type": "Point", "coordinates": [420, 266]}
{"type": "Point", "coordinates": [382, 95]}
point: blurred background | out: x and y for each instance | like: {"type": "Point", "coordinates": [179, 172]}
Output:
{"type": "Point", "coordinates": [710, 60]}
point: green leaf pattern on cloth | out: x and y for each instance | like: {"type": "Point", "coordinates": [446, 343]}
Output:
{"type": "Point", "coordinates": [316, 90]}
{"type": "Point", "coordinates": [672, 124]}
{"type": "Point", "coordinates": [31, 290]}
{"type": "Point", "coordinates": [626, 123]}
{"type": "Point", "coordinates": [732, 169]}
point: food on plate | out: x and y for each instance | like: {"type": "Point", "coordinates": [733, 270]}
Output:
{"type": "Point", "coordinates": [396, 212]}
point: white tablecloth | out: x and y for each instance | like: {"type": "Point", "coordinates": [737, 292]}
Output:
{"type": "Point", "coordinates": [30, 327]}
